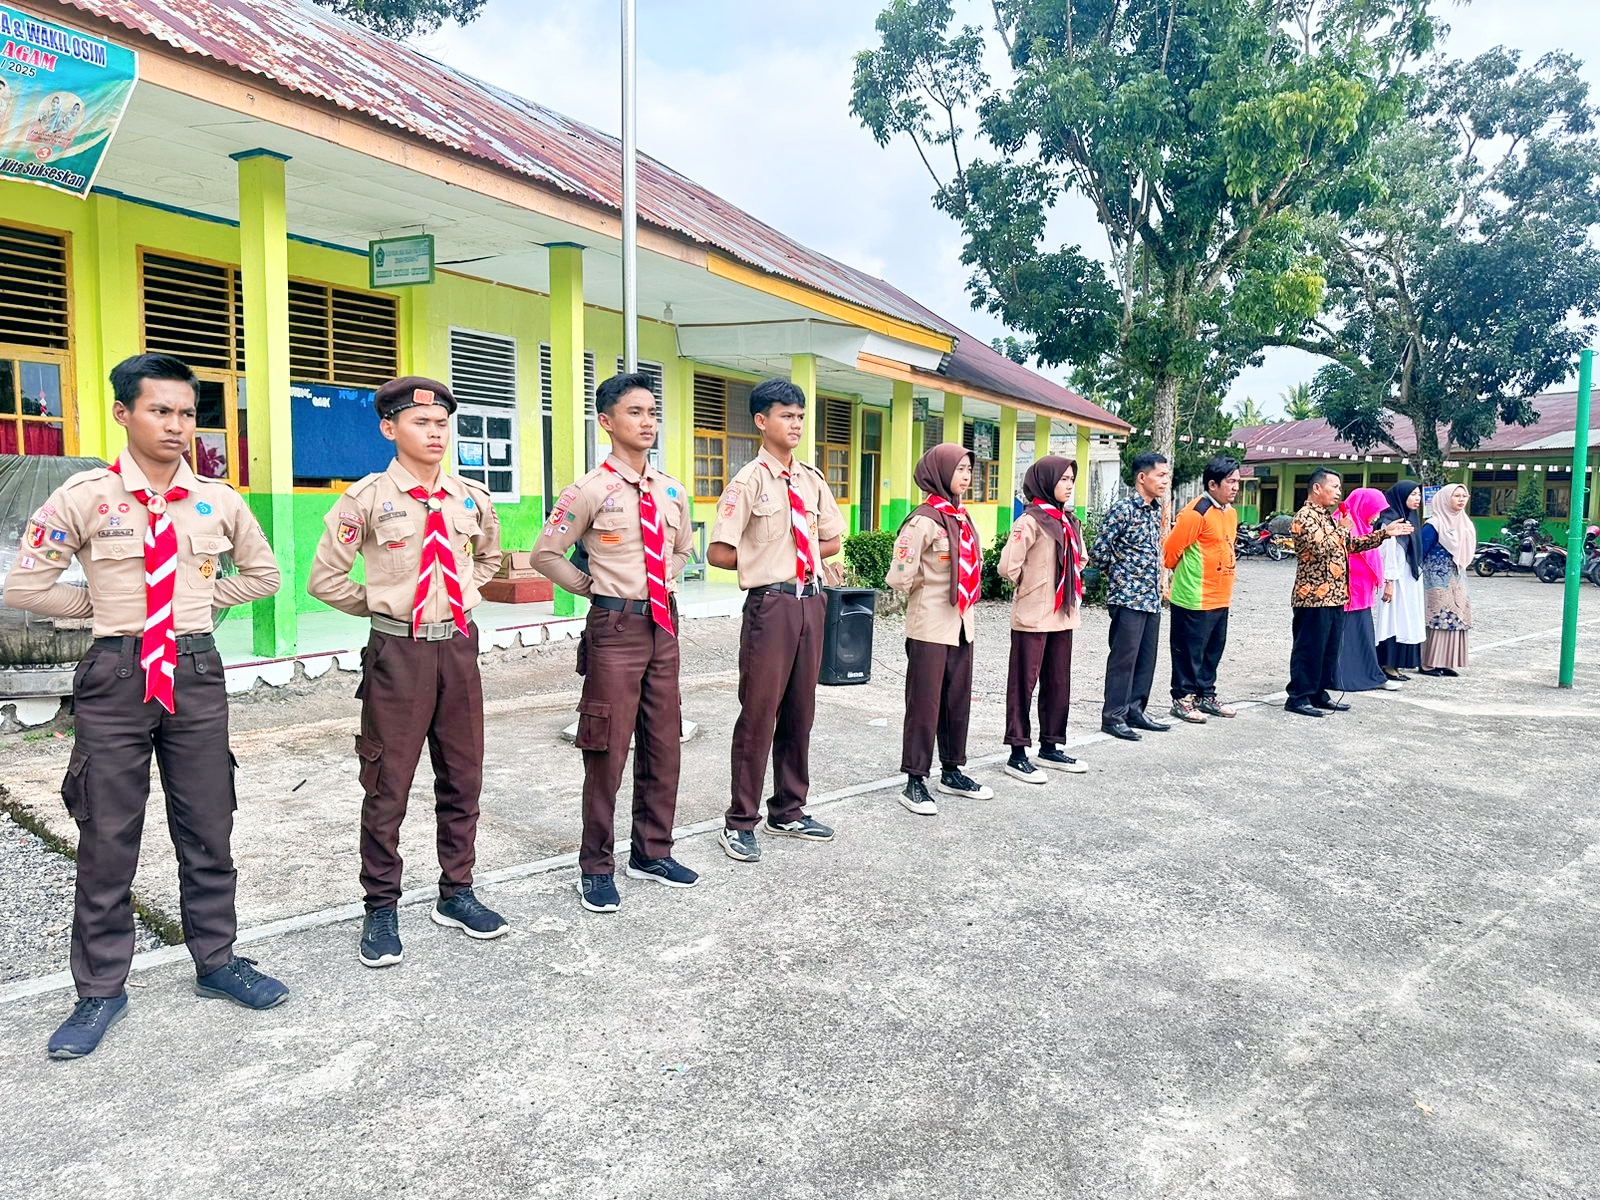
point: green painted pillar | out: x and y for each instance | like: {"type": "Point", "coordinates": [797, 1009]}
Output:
{"type": "Point", "coordinates": [803, 374]}
{"type": "Point", "coordinates": [566, 384]}
{"type": "Point", "coordinates": [264, 279]}
{"type": "Point", "coordinates": [953, 416]}
{"type": "Point", "coordinates": [858, 498]}
{"type": "Point", "coordinates": [109, 287]}
{"type": "Point", "coordinates": [1575, 523]}
{"type": "Point", "coordinates": [1042, 430]}
{"type": "Point", "coordinates": [902, 458]}
{"type": "Point", "coordinates": [1080, 492]}
{"type": "Point", "coordinates": [1008, 470]}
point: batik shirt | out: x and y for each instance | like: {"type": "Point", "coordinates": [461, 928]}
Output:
{"type": "Point", "coordinates": [1128, 549]}
{"type": "Point", "coordinates": [1323, 550]}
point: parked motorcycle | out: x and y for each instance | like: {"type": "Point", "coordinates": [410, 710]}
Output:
{"type": "Point", "coordinates": [1552, 561]}
{"type": "Point", "coordinates": [1259, 541]}
{"type": "Point", "coordinates": [1493, 558]}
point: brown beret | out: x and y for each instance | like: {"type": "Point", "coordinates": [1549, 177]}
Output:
{"type": "Point", "coordinates": [409, 391]}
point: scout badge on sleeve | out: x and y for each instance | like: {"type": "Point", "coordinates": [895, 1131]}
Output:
{"type": "Point", "coordinates": [349, 529]}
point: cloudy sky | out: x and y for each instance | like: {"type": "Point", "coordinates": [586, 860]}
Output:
{"type": "Point", "coordinates": [752, 100]}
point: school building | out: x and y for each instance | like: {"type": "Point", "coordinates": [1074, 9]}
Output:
{"type": "Point", "coordinates": [1282, 457]}
{"type": "Point", "coordinates": [268, 145]}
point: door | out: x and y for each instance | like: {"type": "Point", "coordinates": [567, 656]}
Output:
{"type": "Point", "coordinates": [871, 450]}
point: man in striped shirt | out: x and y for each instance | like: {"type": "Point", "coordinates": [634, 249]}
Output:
{"type": "Point", "coordinates": [1199, 551]}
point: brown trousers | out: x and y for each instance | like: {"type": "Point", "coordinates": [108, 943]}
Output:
{"type": "Point", "coordinates": [938, 705]}
{"type": "Point", "coordinates": [1045, 660]}
{"type": "Point", "coordinates": [780, 658]}
{"type": "Point", "coordinates": [630, 690]}
{"type": "Point", "coordinates": [107, 787]}
{"type": "Point", "coordinates": [413, 691]}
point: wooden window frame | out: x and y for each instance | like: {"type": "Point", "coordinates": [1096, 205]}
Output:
{"type": "Point", "coordinates": [62, 357]}
{"type": "Point", "coordinates": [825, 447]}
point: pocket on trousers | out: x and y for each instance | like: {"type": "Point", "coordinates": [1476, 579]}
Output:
{"type": "Point", "coordinates": [594, 725]}
{"type": "Point", "coordinates": [370, 752]}
{"type": "Point", "coordinates": [75, 787]}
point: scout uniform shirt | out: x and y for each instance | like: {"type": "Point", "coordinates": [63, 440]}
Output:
{"type": "Point", "coordinates": [602, 509]}
{"type": "Point", "coordinates": [754, 518]}
{"type": "Point", "coordinates": [921, 569]}
{"type": "Point", "coordinates": [96, 516]}
{"type": "Point", "coordinates": [1028, 560]}
{"type": "Point", "coordinates": [378, 519]}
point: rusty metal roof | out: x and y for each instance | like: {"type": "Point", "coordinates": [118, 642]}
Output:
{"type": "Point", "coordinates": [1315, 438]}
{"type": "Point", "coordinates": [308, 50]}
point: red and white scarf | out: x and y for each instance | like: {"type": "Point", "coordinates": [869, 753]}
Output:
{"type": "Point", "coordinates": [158, 653]}
{"type": "Point", "coordinates": [969, 562]}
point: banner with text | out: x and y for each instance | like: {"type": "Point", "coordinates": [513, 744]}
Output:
{"type": "Point", "coordinates": [62, 95]}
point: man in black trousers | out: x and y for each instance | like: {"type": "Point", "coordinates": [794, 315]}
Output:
{"type": "Point", "coordinates": [1128, 549]}
{"type": "Point", "coordinates": [1323, 547]}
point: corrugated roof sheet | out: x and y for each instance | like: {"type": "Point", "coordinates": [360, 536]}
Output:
{"type": "Point", "coordinates": [1558, 414]}
{"type": "Point", "coordinates": [308, 50]}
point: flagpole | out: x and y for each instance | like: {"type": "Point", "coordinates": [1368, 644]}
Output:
{"type": "Point", "coordinates": [630, 191]}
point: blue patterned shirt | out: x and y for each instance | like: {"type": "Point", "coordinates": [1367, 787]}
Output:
{"type": "Point", "coordinates": [1128, 549]}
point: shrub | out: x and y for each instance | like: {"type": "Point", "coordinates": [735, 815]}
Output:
{"type": "Point", "coordinates": [1529, 503]}
{"type": "Point", "coordinates": [868, 555]}
{"type": "Point", "coordinates": [1094, 579]}
{"type": "Point", "coordinates": [995, 585]}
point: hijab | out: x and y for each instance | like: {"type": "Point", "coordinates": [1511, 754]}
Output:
{"type": "Point", "coordinates": [1457, 533]}
{"type": "Point", "coordinates": [1397, 511]}
{"type": "Point", "coordinates": [1039, 488]}
{"type": "Point", "coordinates": [934, 472]}
{"type": "Point", "coordinates": [1366, 566]}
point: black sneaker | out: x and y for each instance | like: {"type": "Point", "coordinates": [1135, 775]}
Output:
{"type": "Point", "coordinates": [1018, 767]}
{"type": "Point", "coordinates": [380, 938]}
{"type": "Point", "coordinates": [1059, 760]}
{"type": "Point", "coordinates": [914, 798]}
{"type": "Point", "coordinates": [668, 871]}
{"type": "Point", "coordinates": [80, 1033]}
{"type": "Point", "coordinates": [740, 845]}
{"type": "Point", "coordinates": [802, 827]}
{"type": "Point", "coordinates": [598, 893]}
{"type": "Point", "coordinates": [464, 911]}
{"type": "Point", "coordinates": [239, 981]}
{"type": "Point", "coordinates": [954, 783]}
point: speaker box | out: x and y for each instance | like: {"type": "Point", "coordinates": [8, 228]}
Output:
{"type": "Point", "coordinates": [847, 636]}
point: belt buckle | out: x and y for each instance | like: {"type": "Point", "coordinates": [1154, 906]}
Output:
{"type": "Point", "coordinates": [439, 631]}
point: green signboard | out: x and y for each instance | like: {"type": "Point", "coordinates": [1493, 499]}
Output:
{"type": "Point", "coordinates": [400, 262]}
{"type": "Point", "coordinates": [62, 95]}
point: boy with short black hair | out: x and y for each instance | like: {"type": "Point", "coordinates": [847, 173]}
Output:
{"type": "Point", "coordinates": [429, 540]}
{"type": "Point", "coordinates": [637, 528]}
{"type": "Point", "coordinates": [776, 523]}
{"type": "Point", "coordinates": [149, 535]}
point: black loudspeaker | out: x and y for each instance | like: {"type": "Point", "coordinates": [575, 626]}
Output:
{"type": "Point", "coordinates": [847, 635]}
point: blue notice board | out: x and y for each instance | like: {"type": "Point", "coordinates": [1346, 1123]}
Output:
{"type": "Point", "coordinates": [336, 434]}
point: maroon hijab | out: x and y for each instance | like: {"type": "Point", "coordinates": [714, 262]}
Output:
{"type": "Point", "coordinates": [934, 472]}
{"type": "Point", "coordinates": [1039, 487]}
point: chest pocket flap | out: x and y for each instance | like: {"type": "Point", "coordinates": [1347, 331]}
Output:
{"type": "Point", "coordinates": [206, 544]}
{"type": "Point", "coordinates": [468, 524]}
{"type": "Point", "coordinates": [117, 547]}
{"type": "Point", "coordinates": [395, 531]}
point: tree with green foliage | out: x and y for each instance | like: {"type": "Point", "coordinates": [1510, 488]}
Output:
{"type": "Point", "coordinates": [1204, 134]}
{"type": "Point", "coordinates": [1016, 351]}
{"type": "Point", "coordinates": [1529, 505]}
{"type": "Point", "coordinates": [1471, 282]}
{"type": "Point", "coordinates": [1299, 404]}
{"type": "Point", "coordinates": [1247, 413]}
{"type": "Point", "coordinates": [405, 18]}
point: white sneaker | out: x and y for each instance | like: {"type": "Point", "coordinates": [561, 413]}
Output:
{"type": "Point", "coordinates": [954, 783]}
{"type": "Point", "coordinates": [1391, 685]}
{"type": "Point", "coordinates": [1025, 771]}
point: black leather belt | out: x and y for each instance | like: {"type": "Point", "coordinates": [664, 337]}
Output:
{"type": "Point", "coordinates": [188, 643]}
{"type": "Point", "coordinates": [787, 589]}
{"type": "Point", "coordinates": [616, 604]}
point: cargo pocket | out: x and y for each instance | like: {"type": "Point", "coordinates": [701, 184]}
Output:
{"type": "Point", "coordinates": [594, 725]}
{"type": "Point", "coordinates": [582, 664]}
{"type": "Point", "coordinates": [370, 751]}
{"type": "Point", "coordinates": [75, 787]}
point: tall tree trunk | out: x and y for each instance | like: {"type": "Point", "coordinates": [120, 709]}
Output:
{"type": "Point", "coordinates": [1429, 452]}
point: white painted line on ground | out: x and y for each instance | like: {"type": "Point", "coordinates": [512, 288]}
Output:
{"type": "Point", "coordinates": [1530, 636]}
{"type": "Point", "coordinates": [61, 981]}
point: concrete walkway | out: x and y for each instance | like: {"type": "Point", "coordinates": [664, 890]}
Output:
{"type": "Point", "coordinates": [1264, 958]}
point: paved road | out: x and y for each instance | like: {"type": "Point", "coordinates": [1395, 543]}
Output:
{"type": "Point", "coordinates": [1267, 958]}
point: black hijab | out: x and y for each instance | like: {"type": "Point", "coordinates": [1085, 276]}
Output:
{"type": "Point", "coordinates": [1397, 511]}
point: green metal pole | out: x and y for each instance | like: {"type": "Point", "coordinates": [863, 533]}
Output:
{"type": "Point", "coordinates": [1575, 522]}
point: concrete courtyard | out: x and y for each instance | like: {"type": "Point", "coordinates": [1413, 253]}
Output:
{"type": "Point", "coordinates": [1268, 957]}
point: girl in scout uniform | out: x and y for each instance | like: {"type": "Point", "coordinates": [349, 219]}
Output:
{"type": "Point", "coordinates": [1043, 558]}
{"type": "Point", "coordinates": [938, 566]}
